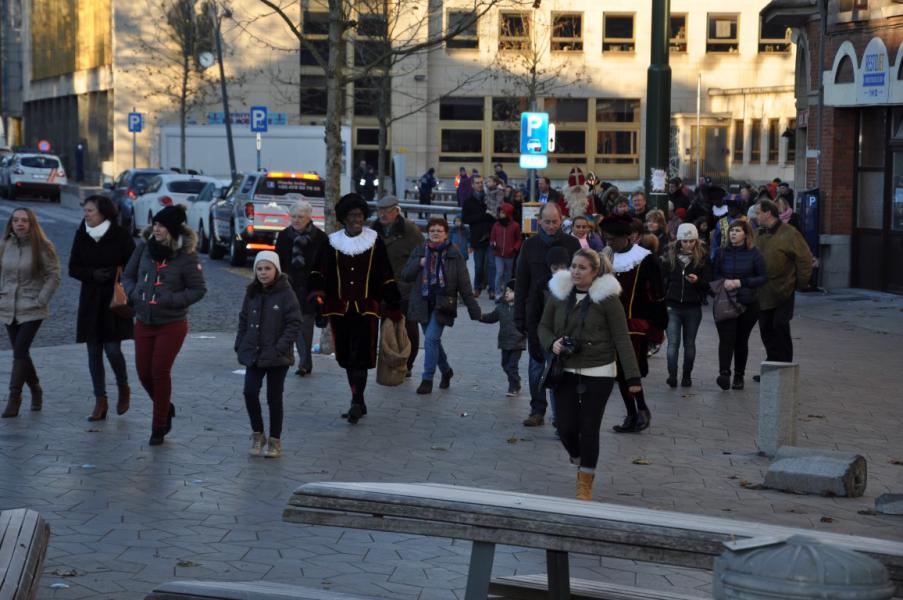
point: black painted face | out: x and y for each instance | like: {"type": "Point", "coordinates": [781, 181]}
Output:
{"type": "Point", "coordinates": [354, 222]}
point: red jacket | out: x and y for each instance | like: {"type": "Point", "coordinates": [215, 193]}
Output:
{"type": "Point", "coordinates": [505, 239]}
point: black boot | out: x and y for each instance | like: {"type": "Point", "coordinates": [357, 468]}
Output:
{"type": "Point", "coordinates": [157, 435]}
{"type": "Point", "coordinates": [672, 378]}
{"type": "Point", "coordinates": [446, 380]}
{"type": "Point", "coordinates": [16, 381]}
{"type": "Point", "coordinates": [686, 380]}
{"type": "Point", "coordinates": [172, 413]}
{"type": "Point", "coordinates": [34, 384]}
{"type": "Point", "coordinates": [644, 419]}
{"type": "Point", "coordinates": [628, 426]}
{"type": "Point", "coordinates": [425, 387]}
{"type": "Point", "coordinates": [738, 381]}
{"type": "Point", "coordinates": [724, 380]}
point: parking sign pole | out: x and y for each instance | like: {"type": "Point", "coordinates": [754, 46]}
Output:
{"type": "Point", "coordinates": [134, 142]}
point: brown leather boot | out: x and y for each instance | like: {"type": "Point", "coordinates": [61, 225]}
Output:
{"type": "Point", "coordinates": [16, 381]}
{"type": "Point", "coordinates": [100, 409]}
{"type": "Point", "coordinates": [585, 485]}
{"type": "Point", "coordinates": [122, 403]}
{"type": "Point", "coordinates": [34, 384]}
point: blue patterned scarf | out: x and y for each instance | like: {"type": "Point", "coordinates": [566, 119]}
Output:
{"type": "Point", "coordinates": [434, 267]}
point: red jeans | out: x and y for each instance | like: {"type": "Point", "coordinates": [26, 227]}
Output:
{"type": "Point", "coordinates": [156, 348]}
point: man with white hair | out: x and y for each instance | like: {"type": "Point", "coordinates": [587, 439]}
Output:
{"type": "Point", "coordinates": [299, 247]}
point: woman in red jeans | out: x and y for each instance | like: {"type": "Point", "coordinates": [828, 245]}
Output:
{"type": "Point", "coordinates": [162, 279]}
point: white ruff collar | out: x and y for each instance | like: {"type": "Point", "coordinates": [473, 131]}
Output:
{"type": "Point", "coordinates": [626, 261]}
{"type": "Point", "coordinates": [719, 211]}
{"type": "Point", "coordinates": [352, 246]}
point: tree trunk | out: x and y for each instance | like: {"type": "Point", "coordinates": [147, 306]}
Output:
{"type": "Point", "coordinates": [335, 110]}
{"type": "Point", "coordinates": [183, 101]}
{"type": "Point", "coordinates": [382, 116]}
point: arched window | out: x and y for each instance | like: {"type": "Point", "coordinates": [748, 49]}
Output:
{"type": "Point", "coordinates": [845, 71]}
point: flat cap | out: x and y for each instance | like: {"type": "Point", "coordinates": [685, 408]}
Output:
{"type": "Point", "coordinates": [387, 201]}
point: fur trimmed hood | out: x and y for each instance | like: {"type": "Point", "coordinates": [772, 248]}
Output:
{"type": "Point", "coordinates": [187, 242]}
{"type": "Point", "coordinates": [561, 286]}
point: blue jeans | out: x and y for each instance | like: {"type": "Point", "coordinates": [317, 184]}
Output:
{"type": "Point", "coordinates": [504, 270]}
{"type": "Point", "coordinates": [433, 352]}
{"type": "Point", "coordinates": [113, 350]}
{"type": "Point", "coordinates": [483, 270]}
{"type": "Point", "coordinates": [510, 360]}
{"type": "Point", "coordinates": [538, 403]}
{"type": "Point", "coordinates": [683, 320]}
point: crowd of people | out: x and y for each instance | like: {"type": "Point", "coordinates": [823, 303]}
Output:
{"type": "Point", "coordinates": [603, 283]}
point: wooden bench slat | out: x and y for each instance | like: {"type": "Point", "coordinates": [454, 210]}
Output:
{"type": "Point", "coordinates": [535, 587]}
{"type": "Point", "coordinates": [23, 546]}
{"type": "Point", "coordinates": [242, 590]}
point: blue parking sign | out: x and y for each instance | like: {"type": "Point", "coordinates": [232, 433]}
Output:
{"type": "Point", "coordinates": [534, 133]}
{"type": "Point", "coordinates": [258, 119]}
{"type": "Point", "coordinates": [136, 122]}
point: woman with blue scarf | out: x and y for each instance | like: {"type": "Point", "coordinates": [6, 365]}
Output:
{"type": "Point", "coordinates": [438, 270]}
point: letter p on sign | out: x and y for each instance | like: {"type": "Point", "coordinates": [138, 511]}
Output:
{"type": "Point", "coordinates": [258, 119]}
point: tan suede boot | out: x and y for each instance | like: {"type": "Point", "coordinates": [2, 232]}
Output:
{"type": "Point", "coordinates": [100, 409]}
{"type": "Point", "coordinates": [585, 485]}
{"type": "Point", "coordinates": [16, 381]}
{"type": "Point", "coordinates": [122, 403]}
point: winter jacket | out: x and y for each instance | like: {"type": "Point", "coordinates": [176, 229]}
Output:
{"type": "Point", "coordinates": [460, 237]}
{"type": "Point", "coordinates": [161, 292]}
{"type": "Point", "coordinates": [268, 325]}
{"type": "Point", "coordinates": [788, 262]}
{"type": "Point", "coordinates": [505, 239]}
{"type": "Point", "coordinates": [509, 337]}
{"type": "Point", "coordinates": [457, 283]}
{"type": "Point", "coordinates": [94, 263]}
{"type": "Point", "coordinates": [473, 213]}
{"type": "Point", "coordinates": [299, 276]}
{"type": "Point", "coordinates": [745, 264]}
{"type": "Point", "coordinates": [400, 240]}
{"type": "Point", "coordinates": [25, 298]}
{"type": "Point", "coordinates": [679, 291]}
{"type": "Point", "coordinates": [602, 336]}
{"type": "Point", "coordinates": [593, 241]}
{"type": "Point", "coordinates": [532, 277]}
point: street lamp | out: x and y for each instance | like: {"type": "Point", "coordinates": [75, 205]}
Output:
{"type": "Point", "coordinates": [206, 60]}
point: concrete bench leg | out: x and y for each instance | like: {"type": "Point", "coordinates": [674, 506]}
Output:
{"type": "Point", "coordinates": [778, 406]}
{"type": "Point", "coordinates": [480, 572]}
{"type": "Point", "coordinates": [559, 575]}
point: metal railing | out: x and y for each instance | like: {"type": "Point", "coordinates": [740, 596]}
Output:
{"type": "Point", "coordinates": [424, 212]}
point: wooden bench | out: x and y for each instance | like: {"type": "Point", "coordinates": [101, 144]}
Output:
{"type": "Point", "coordinates": [557, 525]}
{"type": "Point", "coordinates": [22, 549]}
{"type": "Point", "coordinates": [536, 587]}
{"type": "Point", "coordinates": [241, 590]}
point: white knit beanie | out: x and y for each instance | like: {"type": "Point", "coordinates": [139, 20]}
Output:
{"type": "Point", "coordinates": [269, 256]}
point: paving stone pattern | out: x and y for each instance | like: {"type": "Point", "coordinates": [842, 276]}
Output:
{"type": "Point", "coordinates": [125, 517]}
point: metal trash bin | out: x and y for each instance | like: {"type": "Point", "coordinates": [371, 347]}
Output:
{"type": "Point", "coordinates": [797, 568]}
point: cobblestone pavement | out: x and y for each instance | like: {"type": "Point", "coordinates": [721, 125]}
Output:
{"type": "Point", "coordinates": [126, 517]}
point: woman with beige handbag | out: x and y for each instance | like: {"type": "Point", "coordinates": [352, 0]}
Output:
{"type": "Point", "coordinates": [100, 250]}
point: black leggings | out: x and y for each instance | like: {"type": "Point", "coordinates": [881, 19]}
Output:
{"type": "Point", "coordinates": [21, 335]}
{"type": "Point", "coordinates": [275, 377]}
{"type": "Point", "coordinates": [733, 340]}
{"type": "Point", "coordinates": [579, 416]}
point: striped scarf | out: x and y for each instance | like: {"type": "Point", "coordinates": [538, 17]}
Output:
{"type": "Point", "coordinates": [434, 267]}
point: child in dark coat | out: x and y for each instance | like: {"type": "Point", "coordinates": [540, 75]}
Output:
{"type": "Point", "coordinates": [268, 325]}
{"type": "Point", "coordinates": [511, 341]}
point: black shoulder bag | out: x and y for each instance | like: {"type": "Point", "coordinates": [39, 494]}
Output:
{"type": "Point", "coordinates": [554, 367]}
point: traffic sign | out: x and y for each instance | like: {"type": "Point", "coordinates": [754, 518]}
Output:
{"type": "Point", "coordinates": [258, 119]}
{"type": "Point", "coordinates": [136, 122]}
{"type": "Point", "coordinates": [534, 161]}
{"type": "Point", "coordinates": [44, 146]}
{"type": "Point", "coordinates": [534, 133]}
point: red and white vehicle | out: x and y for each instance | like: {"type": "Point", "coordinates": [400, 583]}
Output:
{"type": "Point", "coordinates": [167, 189]}
{"type": "Point", "coordinates": [34, 173]}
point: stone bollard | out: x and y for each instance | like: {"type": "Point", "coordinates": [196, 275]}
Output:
{"type": "Point", "coordinates": [798, 568]}
{"type": "Point", "coordinates": [778, 406]}
{"type": "Point", "coordinates": [814, 471]}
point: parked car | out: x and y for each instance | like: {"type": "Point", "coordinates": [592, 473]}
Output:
{"type": "Point", "coordinates": [33, 173]}
{"type": "Point", "coordinates": [125, 189]}
{"type": "Point", "coordinates": [256, 208]}
{"type": "Point", "coordinates": [199, 210]}
{"type": "Point", "coordinates": [164, 190]}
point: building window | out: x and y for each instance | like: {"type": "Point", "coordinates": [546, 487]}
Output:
{"type": "Point", "coordinates": [755, 141]}
{"type": "Point", "coordinates": [461, 109]}
{"type": "Point", "coordinates": [464, 22]}
{"type": "Point", "coordinates": [677, 34]}
{"type": "Point", "coordinates": [617, 34]}
{"type": "Point", "coordinates": [514, 31]}
{"type": "Point", "coordinates": [505, 141]}
{"type": "Point", "coordinates": [313, 95]}
{"type": "Point", "coordinates": [570, 147]}
{"type": "Point", "coordinates": [372, 25]}
{"type": "Point", "coordinates": [366, 96]}
{"type": "Point", "coordinates": [463, 141]}
{"type": "Point", "coordinates": [508, 110]}
{"type": "Point", "coordinates": [845, 72]}
{"type": "Point", "coordinates": [617, 136]}
{"type": "Point", "coordinates": [774, 141]}
{"type": "Point", "coordinates": [848, 5]}
{"type": "Point", "coordinates": [567, 33]}
{"type": "Point", "coordinates": [505, 128]}
{"type": "Point", "coordinates": [773, 37]}
{"type": "Point", "coordinates": [562, 110]}
{"type": "Point", "coordinates": [791, 141]}
{"type": "Point", "coordinates": [738, 141]}
{"type": "Point", "coordinates": [723, 33]}
{"type": "Point", "coordinates": [367, 137]}
{"type": "Point", "coordinates": [316, 30]}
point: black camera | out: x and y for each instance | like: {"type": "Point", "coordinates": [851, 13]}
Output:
{"type": "Point", "coordinates": [569, 346]}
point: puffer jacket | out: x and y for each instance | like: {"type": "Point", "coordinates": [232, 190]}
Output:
{"type": "Point", "coordinates": [162, 292]}
{"type": "Point", "coordinates": [509, 336]}
{"type": "Point", "coordinates": [679, 291]}
{"type": "Point", "coordinates": [505, 238]}
{"type": "Point", "coordinates": [745, 264]}
{"type": "Point", "coordinates": [268, 325]}
{"type": "Point", "coordinates": [25, 298]}
{"type": "Point", "coordinates": [602, 335]}
{"type": "Point", "coordinates": [457, 282]}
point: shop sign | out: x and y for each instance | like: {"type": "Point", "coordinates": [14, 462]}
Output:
{"type": "Point", "coordinates": [875, 71]}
